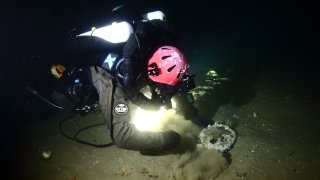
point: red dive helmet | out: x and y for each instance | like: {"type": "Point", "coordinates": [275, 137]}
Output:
{"type": "Point", "coordinates": [167, 65]}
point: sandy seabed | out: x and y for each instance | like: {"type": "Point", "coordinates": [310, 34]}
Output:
{"type": "Point", "coordinates": [277, 139]}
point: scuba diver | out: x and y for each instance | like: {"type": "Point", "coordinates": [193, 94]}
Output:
{"type": "Point", "coordinates": [118, 69]}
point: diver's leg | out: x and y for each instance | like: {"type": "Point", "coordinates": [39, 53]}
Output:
{"type": "Point", "coordinates": [102, 81]}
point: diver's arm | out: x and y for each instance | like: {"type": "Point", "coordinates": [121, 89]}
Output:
{"type": "Point", "coordinates": [127, 67]}
{"type": "Point", "coordinates": [184, 107]}
{"type": "Point", "coordinates": [189, 111]}
{"type": "Point", "coordinates": [126, 81]}
{"type": "Point", "coordinates": [127, 70]}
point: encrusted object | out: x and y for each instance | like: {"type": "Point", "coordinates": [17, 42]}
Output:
{"type": "Point", "coordinates": [217, 136]}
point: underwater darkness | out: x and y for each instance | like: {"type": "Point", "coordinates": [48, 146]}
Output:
{"type": "Point", "coordinates": [282, 37]}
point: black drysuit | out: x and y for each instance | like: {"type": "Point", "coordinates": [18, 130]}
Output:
{"type": "Point", "coordinates": [121, 88]}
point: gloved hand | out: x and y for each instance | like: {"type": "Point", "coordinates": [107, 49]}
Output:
{"type": "Point", "coordinates": [165, 102]}
{"type": "Point", "coordinates": [201, 122]}
{"type": "Point", "coordinates": [145, 103]}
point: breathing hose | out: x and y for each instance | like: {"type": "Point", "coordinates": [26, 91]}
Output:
{"type": "Point", "coordinates": [34, 92]}
{"type": "Point", "coordinates": [75, 136]}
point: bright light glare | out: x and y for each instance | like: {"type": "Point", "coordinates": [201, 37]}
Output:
{"type": "Point", "coordinates": [156, 15]}
{"type": "Point", "coordinates": [114, 33]}
{"type": "Point", "coordinates": [148, 120]}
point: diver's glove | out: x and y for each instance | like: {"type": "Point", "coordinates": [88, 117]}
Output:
{"type": "Point", "coordinates": [145, 103]}
{"type": "Point", "coordinates": [165, 101]}
{"type": "Point", "coordinates": [201, 122]}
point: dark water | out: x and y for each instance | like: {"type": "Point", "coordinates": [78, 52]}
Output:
{"type": "Point", "coordinates": [267, 50]}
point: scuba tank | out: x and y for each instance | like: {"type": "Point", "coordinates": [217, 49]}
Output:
{"type": "Point", "coordinates": [99, 47]}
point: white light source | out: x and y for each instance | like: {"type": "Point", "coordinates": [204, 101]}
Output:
{"type": "Point", "coordinates": [114, 33]}
{"type": "Point", "coordinates": [156, 15]}
{"type": "Point", "coordinates": [148, 120]}
{"type": "Point", "coordinates": [151, 120]}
